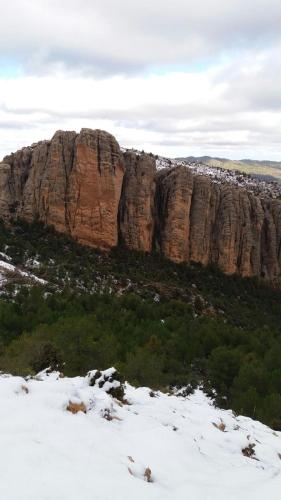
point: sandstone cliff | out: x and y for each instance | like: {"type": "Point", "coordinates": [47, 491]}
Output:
{"type": "Point", "coordinates": [72, 182]}
{"type": "Point", "coordinates": [83, 185]}
{"type": "Point", "coordinates": [136, 211]}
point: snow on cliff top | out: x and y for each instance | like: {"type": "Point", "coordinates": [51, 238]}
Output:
{"type": "Point", "coordinates": [157, 448]}
{"type": "Point", "coordinates": [223, 176]}
{"type": "Point", "coordinates": [218, 175]}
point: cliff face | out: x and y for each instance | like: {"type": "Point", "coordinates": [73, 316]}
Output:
{"type": "Point", "coordinates": [201, 221]}
{"type": "Point", "coordinates": [83, 185]}
{"type": "Point", "coordinates": [72, 182]}
{"type": "Point", "coordinates": [136, 211]}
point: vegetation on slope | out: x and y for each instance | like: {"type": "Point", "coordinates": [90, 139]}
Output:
{"type": "Point", "coordinates": [160, 323]}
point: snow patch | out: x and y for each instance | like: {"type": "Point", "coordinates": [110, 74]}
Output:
{"type": "Point", "coordinates": [5, 268]}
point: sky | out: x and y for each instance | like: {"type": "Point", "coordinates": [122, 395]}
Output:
{"type": "Point", "coordinates": [174, 77]}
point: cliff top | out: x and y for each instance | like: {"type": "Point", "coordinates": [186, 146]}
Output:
{"type": "Point", "coordinates": [265, 188]}
{"type": "Point", "coordinates": [218, 175]}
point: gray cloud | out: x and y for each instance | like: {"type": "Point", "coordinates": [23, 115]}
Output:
{"type": "Point", "coordinates": [106, 36]}
{"type": "Point", "coordinates": [13, 125]}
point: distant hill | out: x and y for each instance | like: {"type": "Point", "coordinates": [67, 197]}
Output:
{"type": "Point", "coordinates": [266, 170]}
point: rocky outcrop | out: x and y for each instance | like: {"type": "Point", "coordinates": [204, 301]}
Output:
{"type": "Point", "coordinates": [94, 189]}
{"type": "Point", "coordinates": [72, 182]}
{"type": "Point", "coordinates": [173, 204]}
{"type": "Point", "coordinates": [204, 222]}
{"type": "Point", "coordinates": [83, 185]}
{"type": "Point", "coordinates": [6, 190]}
{"type": "Point", "coordinates": [136, 211]}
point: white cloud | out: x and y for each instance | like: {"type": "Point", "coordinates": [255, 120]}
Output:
{"type": "Point", "coordinates": [206, 112]}
{"type": "Point", "coordinates": [115, 65]}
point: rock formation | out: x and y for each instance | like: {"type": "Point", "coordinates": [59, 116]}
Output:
{"type": "Point", "coordinates": [136, 212]}
{"type": "Point", "coordinates": [72, 182]}
{"type": "Point", "coordinates": [83, 185]}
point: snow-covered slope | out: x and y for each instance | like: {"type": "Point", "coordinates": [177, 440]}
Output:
{"type": "Point", "coordinates": [10, 273]}
{"type": "Point", "coordinates": [153, 446]}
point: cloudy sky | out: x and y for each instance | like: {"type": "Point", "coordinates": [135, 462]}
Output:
{"type": "Point", "coordinates": [175, 77]}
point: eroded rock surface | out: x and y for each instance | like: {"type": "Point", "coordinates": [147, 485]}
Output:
{"type": "Point", "coordinates": [83, 185]}
{"type": "Point", "coordinates": [136, 214]}
{"type": "Point", "coordinates": [72, 182]}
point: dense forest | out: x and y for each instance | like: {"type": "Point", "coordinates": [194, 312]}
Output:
{"type": "Point", "coordinates": [161, 324]}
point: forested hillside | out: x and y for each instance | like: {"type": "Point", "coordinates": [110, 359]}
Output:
{"type": "Point", "coordinates": [162, 324]}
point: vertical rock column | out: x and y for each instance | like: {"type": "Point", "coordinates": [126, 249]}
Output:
{"type": "Point", "coordinates": [136, 211]}
{"type": "Point", "coordinates": [173, 202]}
{"type": "Point", "coordinates": [46, 191]}
{"type": "Point", "coordinates": [94, 190]}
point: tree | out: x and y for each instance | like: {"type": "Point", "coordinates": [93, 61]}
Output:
{"type": "Point", "coordinates": [223, 365]}
{"type": "Point", "coordinates": [144, 368]}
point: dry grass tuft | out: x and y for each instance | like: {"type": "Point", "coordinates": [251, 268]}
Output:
{"type": "Point", "coordinates": [221, 426]}
{"type": "Point", "coordinates": [76, 407]}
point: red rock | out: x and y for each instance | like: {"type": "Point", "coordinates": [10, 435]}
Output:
{"type": "Point", "coordinates": [84, 186]}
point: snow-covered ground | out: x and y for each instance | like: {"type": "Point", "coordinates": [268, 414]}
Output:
{"type": "Point", "coordinates": [8, 270]}
{"type": "Point", "coordinates": [155, 448]}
